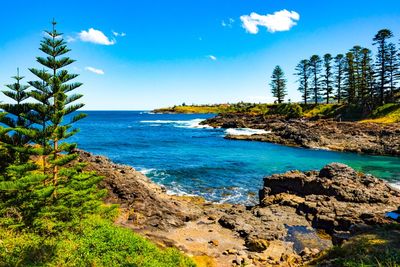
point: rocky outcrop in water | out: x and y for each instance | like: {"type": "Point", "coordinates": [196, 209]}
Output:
{"type": "Point", "coordinates": [369, 138]}
{"type": "Point", "coordinates": [337, 198]}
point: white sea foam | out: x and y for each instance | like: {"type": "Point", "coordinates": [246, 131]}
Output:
{"type": "Point", "coordinates": [395, 185]}
{"type": "Point", "coordinates": [146, 171]}
{"type": "Point", "coordinates": [191, 124]}
{"type": "Point", "coordinates": [245, 131]}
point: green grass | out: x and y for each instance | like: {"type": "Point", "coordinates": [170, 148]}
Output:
{"type": "Point", "coordinates": [388, 113]}
{"type": "Point", "coordinates": [196, 109]}
{"type": "Point", "coordinates": [97, 243]}
{"type": "Point", "coordinates": [379, 247]}
{"type": "Point", "coordinates": [322, 110]}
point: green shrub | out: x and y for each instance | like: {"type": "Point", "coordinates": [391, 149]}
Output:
{"type": "Point", "coordinates": [290, 111]}
{"type": "Point", "coordinates": [97, 243]}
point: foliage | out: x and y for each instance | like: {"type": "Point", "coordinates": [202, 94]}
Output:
{"type": "Point", "coordinates": [323, 111]}
{"type": "Point", "coordinates": [189, 109]}
{"type": "Point", "coordinates": [388, 113]}
{"type": "Point", "coordinates": [315, 65]}
{"type": "Point", "coordinates": [327, 77]}
{"type": "Point", "coordinates": [379, 247]}
{"type": "Point", "coordinates": [97, 243]}
{"type": "Point", "coordinates": [303, 73]}
{"type": "Point", "coordinates": [290, 111]}
{"type": "Point", "coordinates": [278, 84]}
{"type": "Point", "coordinates": [354, 78]}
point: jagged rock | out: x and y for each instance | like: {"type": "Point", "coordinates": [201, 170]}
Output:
{"type": "Point", "coordinates": [132, 190]}
{"type": "Point", "coordinates": [370, 138]}
{"type": "Point", "coordinates": [256, 244]}
{"type": "Point", "coordinates": [334, 199]}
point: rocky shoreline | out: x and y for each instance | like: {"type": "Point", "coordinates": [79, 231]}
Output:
{"type": "Point", "coordinates": [369, 138]}
{"type": "Point", "coordinates": [299, 215]}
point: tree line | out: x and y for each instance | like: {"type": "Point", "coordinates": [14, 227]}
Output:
{"type": "Point", "coordinates": [357, 77]}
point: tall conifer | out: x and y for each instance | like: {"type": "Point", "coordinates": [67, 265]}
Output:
{"type": "Point", "coordinates": [315, 69]}
{"type": "Point", "coordinates": [303, 74]}
{"type": "Point", "coordinates": [327, 77]}
{"type": "Point", "coordinates": [56, 90]}
{"type": "Point", "coordinates": [393, 70]}
{"type": "Point", "coordinates": [382, 68]}
{"type": "Point", "coordinates": [339, 76]}
{"type": "Point", "coordinates": [350, 79]}
{"type": "Point", "coordinates": [278, 84]}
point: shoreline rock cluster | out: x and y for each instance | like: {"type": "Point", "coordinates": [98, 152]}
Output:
{"type": "Point", "coordinates": [336, 199]}
{"type": "Point", "coordinates": [369, 138]}
{"type": "Point", "coordinates": [283, 230]}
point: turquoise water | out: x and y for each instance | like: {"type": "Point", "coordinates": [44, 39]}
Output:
{"type": "Point", "coordinates": [173, 151]}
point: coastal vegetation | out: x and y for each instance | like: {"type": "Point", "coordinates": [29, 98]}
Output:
{"type": "Point", "coordinates": [354, 78]}
{"type": "Point", "coordinates": [387, 113]}
{"type": "Point", "coordinates": [51, 209]}
{"type": "Point", "coordinates": [376, 247]}
{"type": "Point", "coordinates": [355, 85]}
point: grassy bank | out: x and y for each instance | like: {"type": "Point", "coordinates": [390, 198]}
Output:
{"type": "Point", "coordinates": [96, 242]}
{"type": "Point", "coordinates": [194, 109]}
{"type": "Point", "coordinates": [378, 247]}
{"type": "Point", "coordinates": [388, 113]}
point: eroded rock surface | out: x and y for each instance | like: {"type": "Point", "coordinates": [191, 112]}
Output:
{"type": "Point", "coordinates": [336, 199]}
{"type": "Point", "coordinates": [369, 138]}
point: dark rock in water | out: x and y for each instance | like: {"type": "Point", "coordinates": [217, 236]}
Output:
{"type": "Point", "coordinates": [333, 199]}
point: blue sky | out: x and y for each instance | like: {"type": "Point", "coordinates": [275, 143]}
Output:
{"type": "Point", "coordinates": [135, 55]}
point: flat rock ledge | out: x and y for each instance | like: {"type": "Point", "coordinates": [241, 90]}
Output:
{"type": "Point", "coordinates": [283, 230]}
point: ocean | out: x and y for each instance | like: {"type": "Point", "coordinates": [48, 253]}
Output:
{"type": "Point", "coordinates": [174, 150]}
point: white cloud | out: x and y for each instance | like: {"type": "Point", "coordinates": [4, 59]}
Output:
{"type": "Point", "coordinates": [228, 23]}
{"type": "Point", "coordinates": [70, 39]}
{"type": "Point", "coordinates": [213, 58]}
{"type": "Point", "coordinates": [94, 70]}
{"type": "Point", "coordinates": [279, 21]}
{"type": "Point", "coordinates": [95, 36]}
{"type": "Point", "coordinates": [119, 34]}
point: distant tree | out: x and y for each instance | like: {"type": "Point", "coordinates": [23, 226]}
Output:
{"type": "Point", "coordinates": [315, 69]}
{"type": "Point", "coordinates": [278, 84]}
{"type": "Point", "coordinates": [327, 77]}
{"type": "Point", "coordinates": [393, 70]}
{"type": "Point", "coordinates": [366, 77]}
{"type": "Point", "coordinates": [350, 79]}
{"type": "Point", "coordinates": [303, 74]}
{"type": "Point", "coordinates": [356, 50]}
{"type": "Point", "coordinates": [382, 65]}
{"type": "Point", "coordinates": [340, 64]}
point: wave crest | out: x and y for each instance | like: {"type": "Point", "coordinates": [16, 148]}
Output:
{"type": "Point", "coordinates": [190, 124]}
{"type": "Point", "coordinates": [245, 131]}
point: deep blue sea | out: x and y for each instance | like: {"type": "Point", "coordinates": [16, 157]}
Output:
{"type": "Point", "coordinates": [173, 150]}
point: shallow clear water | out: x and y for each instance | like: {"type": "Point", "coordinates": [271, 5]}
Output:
{"type": "Point", "coordinates": [172, 150]}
